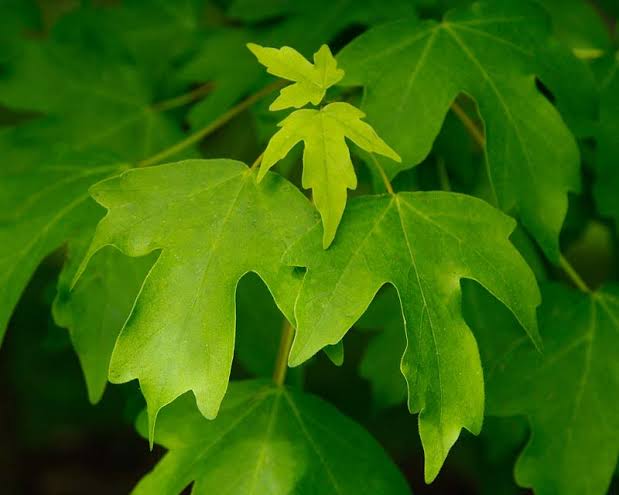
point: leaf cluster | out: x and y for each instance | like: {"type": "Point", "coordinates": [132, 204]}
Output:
{"type": "Point", "coordinates": [438, 202]}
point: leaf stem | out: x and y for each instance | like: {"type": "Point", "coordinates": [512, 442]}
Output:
{"type": "Point", "coordinates": [281, 362]}
{"type": "Point", "coordinates": [212, 127]}
{"type": "Point", "coordinates": [469, 125]}
{"type": "Point", "coordinates": [184, 99]}
{"type": "Point", "coordinates": [383, 175]}
{"type": "Point", "coordinates": [257, 161]}
{"type": "Point", "coordinates": [573, 275]}
{"type": "Point", "coordinates": [443, 176]}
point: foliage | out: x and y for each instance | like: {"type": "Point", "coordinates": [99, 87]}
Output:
{"type": "Point", "coordinates": [479, 144]}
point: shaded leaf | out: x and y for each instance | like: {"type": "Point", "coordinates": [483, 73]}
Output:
{"type": "Point", "coordinates": [568, 393]}
{"type": "Point", "coordinates": [237, 74]}
{"type": "Point", "coordinates": [381, 361]}
{"type": "Point", "coordinates": [44, 201]}
{"type": "Point", "coordinates": [98, 306]}
{"type": "Point", "coordinates": [606, 185]}
{"type": "Point", "coordinates": [96, 102]}
{"type": "Point", "coordinates": [487, 51]}
{"type": "Point", "coordinates": [267, 440]}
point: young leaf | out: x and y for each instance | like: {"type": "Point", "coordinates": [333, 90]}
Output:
{"type": "Point", "coordinates": [310, 81]}
{"type": "Point", "coordinates": [212, 223]}
{"type": "Point", "coordinates": [607, 160]}
{"type": "Point", "coordinates": [98, 306]}
{"type": "Point", "coordinates": [327, 167]}
{"type": "Point", "coordinates": [267, 439]}
{"type": "Point", "coordinates": [423, 244]}
{"type": "Point", "coordinates": [412, 72]}
{"type": "Point", "coordinates": [237, 74]}
{"type": "Point", "coordinates": [569, 393]}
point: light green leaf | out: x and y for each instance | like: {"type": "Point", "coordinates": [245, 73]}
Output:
{"type": "Point", "coordinates": [489, 52]}
{"type": "Point", "coordinates": [606, 187]}
{"type": "Point", "coordinates": [327, 167]}
{"type": "Point", "coordinates": [569, 393]}
{"type": "Point", "coordinates": [98, 306]}
{"type": "Point", "coordinates": [311, 81]}
{"type": "Point", "coordinates": [423, 244]}
{"type": "Point", "coordinates": [267, 440]}
{"type": "Point", "coordinates": [212, 224]}
{"type": "Point", "coordinates": [237, 74]}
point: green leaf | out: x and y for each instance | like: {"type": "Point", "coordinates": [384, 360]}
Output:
{"type": "Point", "coordinates": [18, 18]}
{"type": "Point", "coordinates": [488, 52]}
{"type": "Point", "coordinates": [49, 163]}
{"type": "Point", "coordinates": [43, 202]}
{"type": "Point", "coordinates": [607, 158]}
{"type": "Point", "coordinates": [151, 35]}
{"type": "Point", "coordinates": [234, 76]}
{"type": "Point", "coordinates": [98, 306]}
{"type": "Point", "coordinates": [267, 440]}
{"type": "Point", "coordinates": [311, 81]}
{"type": "Point", "coordinates": [422, 244]}
{"type": "Point", "coordinates": [340, 11]}
{"type": "Point", "coordinates": [335, 353]}
{"type": "Point", "coordinates": [569, 393]}
{"type": "Point", "coordinates": [258, 327]}
{"type": "Point", "coordinates": [213, 224]}
{"type": "Point", "coordinates": [237, 74]}
{"type": "Point", "coordinates": [96, 102]}
{"type": "Point", "coordinates": [578, 25]}
{"type": "Point", "coordinates": [573, 88]}
{"type": "Point", "coordinates": [381, 361]}
{"type": "Point", "coordinates": [327, 167]}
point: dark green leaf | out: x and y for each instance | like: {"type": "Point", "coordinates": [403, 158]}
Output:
{"type": "Point", "coordinates": [267, 440]}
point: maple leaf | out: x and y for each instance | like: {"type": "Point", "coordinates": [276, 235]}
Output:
{"type": "Point", "coordinates": [237, 74]}
{"type": "Point", "coordinates": [50, 162]}
{"type": "Point", "coordinates": [98, 306]}
{"type": "Point", "coordinates": [488, 52]}
{"type": "Point", "coordinates": [213, 224]}
{"type": "Point", "coordinates": [93, 102]}
{"type": "Point", "coordinates": [569, 393]}
{"type": "Point", "coordinates": [310, 81]}
{"type": "Point", "coordinates": [423, 244]}
{"type": "Point", "coordinates": [267, 439]}
{"type": "Point", "coordinates": [327, 167]}
{"type": "Point", "coordinates": [341, 12]}
{"type": "Point", "coordinates": [44, 201]}
{"type": "Point", "coordinates": [151, 35]}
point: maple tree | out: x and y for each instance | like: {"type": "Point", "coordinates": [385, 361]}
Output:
{"type": "Point", "coordinates": [229, 198]}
